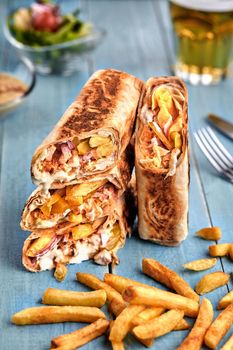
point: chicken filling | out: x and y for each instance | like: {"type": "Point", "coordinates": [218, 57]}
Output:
{"type": "Point", "coordinates": [75, 204]}
{"type": "Point", "coordinates": [91, 154]}
{"type": "Point", "coordinates": [94, 240]}
{"type": "Point", "coordinates": [162, 133]}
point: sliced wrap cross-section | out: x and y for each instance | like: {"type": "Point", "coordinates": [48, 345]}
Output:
{"type": "Point", "coordinates": [82, 207]}
{"type": "Point", "coordinates": [93, 133]}
{"type": "Point", "coordinates": [68, 244]}
{"type": "Point", "coordinates": [162, 161]}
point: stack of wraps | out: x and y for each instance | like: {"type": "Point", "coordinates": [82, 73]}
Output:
{"type": "Point", "coordinates": [162, 161]}
{"type": "Point", "coordinates": [83, 170]}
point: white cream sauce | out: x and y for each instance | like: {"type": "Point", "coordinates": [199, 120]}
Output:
{"type": "Point", "coordinates": [86, 249]}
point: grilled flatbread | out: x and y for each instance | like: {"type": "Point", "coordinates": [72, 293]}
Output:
{"type": "Point", "coordinates": [162, 161]}
{"type": "Point", "coordinates": [98, 240]}
{"type": "Point", "coordinates": [93, 133]}
{"type": "Point", "coordinates": [81, 202]}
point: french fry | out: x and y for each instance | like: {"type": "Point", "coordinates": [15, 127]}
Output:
{"type": "Point", "coordinates": [196, 336]}
{"type": "Point", "coordinates": [60, 272]}
{"type": "Point", "coordinates": [147, 314]}
{"type": "Point", "coordinates": [169, 278]}
{"type": "Point", "coordinates": [122, 323]}
{"type": "Point", "coordinates": [85, 188]}
{"type": "Point", "coordinates": [53, 296]}
{"type": "Point", "coordinates": [182, 325]}
{"type": "Point", "coordinates": [98, 140]}
{"type": "Point", "coordinates": [64, 347]}
{"type": "Point", "coordinates": [142, 317]}
{"type": "Point", "coordinates": [81, 336]}
{"type": "Point", "coordinates": [147, 342]}
{"type": "Point", "coordinates": [151, 313]}
{"type": "Point", "coordinates": [219, 249]}
{"type": "Point", "coordinates": [159, 133]}
{"type": "Point", "coordinates": [226, 300]}
{"type": "Point", "coordinates": [159, 325]}
{"type": "Point", "coordinates": [40, 243]}
{"type": "Point", "coordinates": [56, 314]}
{"type": "Point", "coordinates": [117, 345]}
{"type": "Point", "coordinates": [83, 147]}
{"type": "Point", "coordinates": [120, 283]}
{"type": "Point", "coordinates": [212, 281]}
{"type": "Point", "coordinates": [115, 306]}
{"type": "Point", "coordinates": [201, 264]}
{"type": "Point", "coordinates": [228, 345]}
{"type": "Point", "coordinates": [230, 252]}
{"type": "Point", "coordinates": [210, 233]}
{"type": "Point", "coordinates": [160, 298]}
{"type": "Point", "coordinates": [95, 283]}
{"type": "Point", "coordinates": [219, 327]}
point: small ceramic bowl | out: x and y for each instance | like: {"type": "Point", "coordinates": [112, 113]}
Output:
{"type": "Point", "coordinates": [23, 70]}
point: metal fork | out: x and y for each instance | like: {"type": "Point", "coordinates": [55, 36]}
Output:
{"type": "Point", "coordinates": [215, 152]}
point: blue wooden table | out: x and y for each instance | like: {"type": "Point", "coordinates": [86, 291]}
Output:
{"type": "Point", "coordinates": [139, 42]}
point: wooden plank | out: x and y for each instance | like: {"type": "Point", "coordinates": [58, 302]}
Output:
{"type": "Point", "coordinates": [192, 248]}
{"type": "Point", "coordinates": [133, 41]}
{"type": "Point", "coordinates": [24, 289]}
{"type": "Point", "coordinates": [218, 192]}
{"type": "Point", "coordinates": [23, 131]}
{"type": "Point", "coordinates": [16, 182]}
{"type": "Point", "coordinates": [203, 100]}
{"type": "Point", "coordinates": [162, 11]}
{"type": "Point", "coordinates": [139, 40]}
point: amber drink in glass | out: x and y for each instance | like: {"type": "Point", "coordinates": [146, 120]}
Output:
{"type": "Point", "coordinates": [203, 36]}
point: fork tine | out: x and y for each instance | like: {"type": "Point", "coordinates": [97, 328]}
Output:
{"type": "Point", "coordinates": [220, 145]}
{"type": "Point", "coordinates": [209, 149]}
{"type": "Point", "coordinates": [206, 152]}
{"type": "Point", "coordinates": [215, 150]}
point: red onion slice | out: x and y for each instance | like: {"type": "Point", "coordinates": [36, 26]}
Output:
{"type": "Point", "coordinates": [70, 145]}
{"type": "Point", "coordinates": [87, 156]}
{"type": "Point", "coordinates": [66, 152]}
{"type": "Point", "coordinates": [49, 247]}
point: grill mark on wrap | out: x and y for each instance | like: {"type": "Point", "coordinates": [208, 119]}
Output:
{"type": "Point", "coordinates": [66, 133]}
{"type": "Point", "coordinates": [161, 209]}
{"type": "Point", "coordinates": [95, 102]}
{"type": "Point", "coordinates": [163, 202]}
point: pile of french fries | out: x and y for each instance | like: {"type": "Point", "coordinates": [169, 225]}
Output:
{"type": "Point", "coordinates": [144, 311]}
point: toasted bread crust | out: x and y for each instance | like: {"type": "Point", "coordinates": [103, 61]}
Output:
{"type": "Point", "coordinates": [120, 176]}
{"type": "Point", "coordinates": [163, 202]}
{"type": "Point", "coordinates": [120, 213]}
{"type": "Point", "coordinates": [107, 103]}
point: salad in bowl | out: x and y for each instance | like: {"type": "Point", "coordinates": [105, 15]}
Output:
{"type": "Point", "coordinates": [55, 42]}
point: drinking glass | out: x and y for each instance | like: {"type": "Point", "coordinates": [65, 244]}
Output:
{"type": "Point", "coordinates": [203, 37]}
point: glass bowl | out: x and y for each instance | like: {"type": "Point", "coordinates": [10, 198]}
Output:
{"type": "Point", "coordinates": [23, 70]}
{"type": "Point", "coordinates": [63, 58]}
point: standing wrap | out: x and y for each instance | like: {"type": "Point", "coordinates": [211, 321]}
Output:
{"type": "Point", "coordinates": [162, 161]}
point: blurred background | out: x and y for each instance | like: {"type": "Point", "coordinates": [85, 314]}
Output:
{"type": "Point", "coordinates": [50, 53]}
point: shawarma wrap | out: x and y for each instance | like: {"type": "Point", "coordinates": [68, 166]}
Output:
{"type": "Point", "coordinates": [79, 203]}
{"type": "Point", "coordinates": [93, 133]}
{"type": "Point", "coordinates": [98, 240]}
{"type": "Point", "coordinates": [162, 161]}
